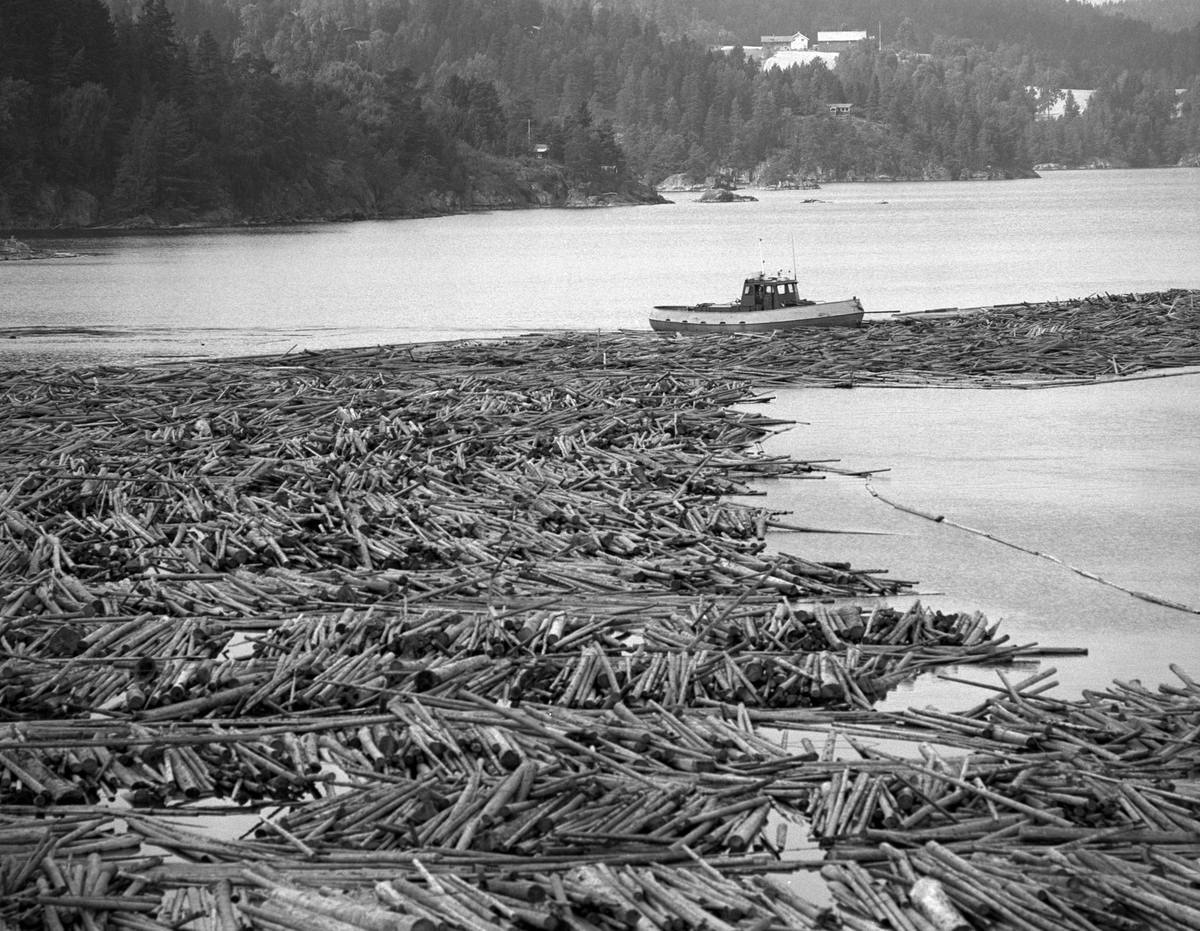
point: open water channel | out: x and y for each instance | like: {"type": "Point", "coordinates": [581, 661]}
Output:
{"type": "Point", "coordinates": [1106, 478]}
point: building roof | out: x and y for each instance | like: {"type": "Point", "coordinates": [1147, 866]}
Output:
{"type": "Point", "coordinates": [856, 35]}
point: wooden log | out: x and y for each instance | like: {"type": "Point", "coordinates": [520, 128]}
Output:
{"type": "Point", "coordinates": [930, 899]}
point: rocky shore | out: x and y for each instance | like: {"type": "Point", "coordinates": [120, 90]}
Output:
{"type": "Point", "coordinates": [13, 250]}
{"type": "Point", "coordinates": [495, 184]}
{"type": "Point", "coordinates": [765, 178]}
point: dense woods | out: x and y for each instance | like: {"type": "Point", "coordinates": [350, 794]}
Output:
{"type": "Point", "coordinates": [216, 110]}
{"type": "Point", "coordinates": [1163, 14]}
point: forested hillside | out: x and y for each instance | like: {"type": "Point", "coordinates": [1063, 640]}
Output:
{"type": "Point", "coordinates": [1170, 15]}
{"type": "Point", "coordinates": [176, 111]}
{"type": "Point", "coordinates": [1083, 40]}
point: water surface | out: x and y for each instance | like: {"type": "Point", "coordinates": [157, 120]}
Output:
{"type": "Point", "coordinates": [1104, 478]}
{"type": "Point", "coordinates": [898, 247]}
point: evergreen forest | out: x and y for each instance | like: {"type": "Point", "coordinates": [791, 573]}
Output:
{"type": "Point", "coordinates": [209, 111]}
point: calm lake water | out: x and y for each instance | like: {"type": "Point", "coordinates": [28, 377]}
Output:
{"type": "Point", "coordinates": [1106, 478]}
{"type": "Point", "coordinates": [898, 247]}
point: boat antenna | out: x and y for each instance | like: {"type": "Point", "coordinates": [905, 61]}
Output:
{"type": "Point", "coordinates": [762, 262]}
{"type": "Point", "coordinates": [795, 271]}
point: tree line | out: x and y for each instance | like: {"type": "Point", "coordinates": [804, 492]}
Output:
{"type": "Point", "coordinates": [1167, 15]}
{"type": "Point", "coordinates": [152, 120]}
{"type": "Point", "coordinates": [185, 109]}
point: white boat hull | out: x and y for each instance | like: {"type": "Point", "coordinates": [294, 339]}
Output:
{"type": "Point", "coordinates": [732, 318]}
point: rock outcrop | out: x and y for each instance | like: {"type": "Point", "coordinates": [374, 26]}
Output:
{"type": "Point", "coordinates": [52, 206]}
{"type": "Point", "coordinates": [720, 195]}
{"type": "Point", "coordinates": [12, 248]}
{"type": "Point", "coordinates": [677, 183]}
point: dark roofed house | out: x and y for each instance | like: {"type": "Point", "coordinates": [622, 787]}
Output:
{"type": "Point", "coordinates": [772, 44]}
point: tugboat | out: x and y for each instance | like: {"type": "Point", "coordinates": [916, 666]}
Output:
{"type": "Point", "coordinates": [768, 304]}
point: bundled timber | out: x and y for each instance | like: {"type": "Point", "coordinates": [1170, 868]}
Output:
{"type": "Point", "coordinates": [475, 637]}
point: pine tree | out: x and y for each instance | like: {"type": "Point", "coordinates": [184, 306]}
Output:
{"type": "Point", "coordinates": [136, 188]}
{"type": "Point", "coordinates": [155, 50]}
{"type": "Point", "coordinates": [83, 117]}
{"type": "Point", "coordinates": [212, 90]}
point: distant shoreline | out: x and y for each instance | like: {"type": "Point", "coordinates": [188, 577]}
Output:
{"type": "Point", "coordinates": [146, 224]}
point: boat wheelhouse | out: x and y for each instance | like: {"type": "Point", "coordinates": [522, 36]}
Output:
{"type": "Point", "coordinates": [768, 303]}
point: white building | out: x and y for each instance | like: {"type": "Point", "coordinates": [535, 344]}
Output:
{"type": "Point", "coordinates": [794, 51]}
{"type": "Point", "coordinates": [770, 44]}
{"type": "Point", "coordinates": [1059, 106]}
{"type": "Point", "coordinates": [840, 41]}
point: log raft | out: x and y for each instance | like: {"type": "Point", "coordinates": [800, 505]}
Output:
{"type": "Point", "coordinates": [476, 636]}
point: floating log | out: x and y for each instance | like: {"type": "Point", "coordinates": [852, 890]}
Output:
{"type": "Point", "coordinates": [479, 632]}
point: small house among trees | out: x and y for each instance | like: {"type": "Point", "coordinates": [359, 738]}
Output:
{"type": "Point", "coordinates": [773, 44]}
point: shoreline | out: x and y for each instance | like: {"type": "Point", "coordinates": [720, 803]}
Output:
{"type": "Point", "coordinates": [483, 619]}
{"type": "Point", "coordinates": [256, 223]}
{"type": "Point", "coordinates": [129, 226]}
{"type": "Point", "coordinates": [437, 205]}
